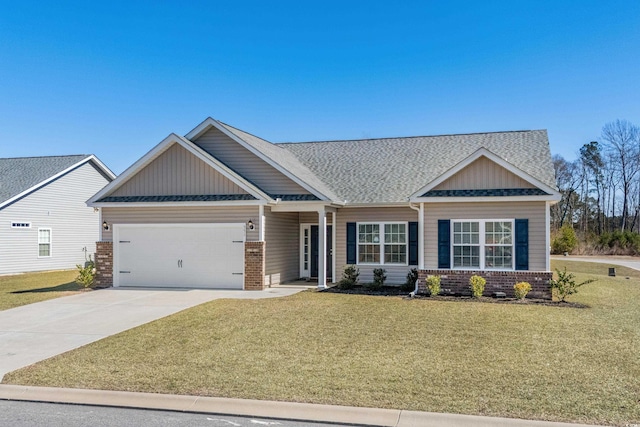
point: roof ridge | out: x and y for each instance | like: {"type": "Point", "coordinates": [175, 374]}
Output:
{"type": "Point", "coordinates": [46, 157]}
{"type": "Point", "coordinates": [409, 137]}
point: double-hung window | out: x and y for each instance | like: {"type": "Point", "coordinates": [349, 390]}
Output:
{"type": "Point", "coordinates": [483, 244]}
{"type": "Point", "coordinates": [382, 243]}
{"type": "Point", "coordinates": [44, 242]}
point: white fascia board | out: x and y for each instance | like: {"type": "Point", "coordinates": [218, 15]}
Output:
{"type": "Point", "coordinates": [210, 122]}
{"type": "Point", "coordinates": [491, 156]}
{"type": "Point", "coordinates": [406, 204]}
{"type": "Point", "coordinates": [301, 207]}
{"type": "Point", "coordinates": [471, 199]}
{"type": "Point", "coordinates": [163, 146]}
{"type": "Point", "coordinates": [48, 180]}
{"type": "Point", "coordinates": [176, 204]}
{"type": "Point", "coordinates": [103, 167]}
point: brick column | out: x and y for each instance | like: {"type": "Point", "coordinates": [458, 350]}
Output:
{"type": "Point", "coordinates": [254, 266]}
{"type": "Point", "coordinates": [104, 265]}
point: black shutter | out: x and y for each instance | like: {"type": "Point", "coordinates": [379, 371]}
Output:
{"type": "Point", "coordinates": [522, 244]}
{"type": "Point", "coordinates": [444, 243]}
{"type": "Point", "coordinates": [351, 242]}
{"type": "Point", "coordinates": [413, 243]}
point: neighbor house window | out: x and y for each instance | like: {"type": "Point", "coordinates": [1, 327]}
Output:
{"type": "Point", "coordinates": [482, 244]}
{"type": "Point", "coordinates": [382, 243]}
{"type": "Point", "coordinates": [18, 224]}
{"type": "Point", "coordinates": [44, 242]}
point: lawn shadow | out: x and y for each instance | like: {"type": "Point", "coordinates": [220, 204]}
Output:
{"type": "Point", "coordinates": [64, 287]}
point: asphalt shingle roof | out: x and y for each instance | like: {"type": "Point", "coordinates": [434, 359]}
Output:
{"type": "Point", "coordinates": [19, 174]}
{"type": "Point", "coordinates": [389, 170]}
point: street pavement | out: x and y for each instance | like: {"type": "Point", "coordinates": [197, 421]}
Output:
{"type": "Point", "coordinates": [625, 261]}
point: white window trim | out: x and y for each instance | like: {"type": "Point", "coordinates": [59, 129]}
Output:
{"type": "Point", "coordinates": [482, 244]}
{"type": "Point", "coordinates": [50, 242]}
{"type": "Point", "coordinates": [382, 242]}
{"type": "Point", "coordinates": [21, 225]}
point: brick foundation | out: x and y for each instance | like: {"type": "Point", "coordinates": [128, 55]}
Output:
{"type": "Point", "coordinates": [104, 265]}
{"type": "Point", "coordinates": [254, 266]}
{"type": "Point", "coordinates": [457, 281]}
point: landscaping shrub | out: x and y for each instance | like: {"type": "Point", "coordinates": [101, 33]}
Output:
{"type": "Point", "coordinates": [477, 283]}
{"type": "Point", "coordinates": [565, 285]}
{"type": "Point", "coordinates": [433, 284]}
{"type": "Point", "coordinates": [521, 289]}
{"type": "Point", "coordinates": [565, 240]}
{"type": "Point", "coordinates": [349, 277]}
{"type": "Point", "coordinates": [379, 276]}
{"type": "Point", "coordinates": [86, 274]}
{"type": "Point", "coordinates": [412, 278]}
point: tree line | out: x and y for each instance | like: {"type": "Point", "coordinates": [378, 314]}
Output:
{"type": "Point", "coordinates": [601, 190]}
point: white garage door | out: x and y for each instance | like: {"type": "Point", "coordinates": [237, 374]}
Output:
{"type": "Point", "coordinates": [179, 255]}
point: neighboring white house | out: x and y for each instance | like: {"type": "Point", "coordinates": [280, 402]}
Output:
{"type": "Point", "coordinates": [44, 221]}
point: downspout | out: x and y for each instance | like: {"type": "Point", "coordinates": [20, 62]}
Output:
{"type": "Point", "coordinates": [420, 211]}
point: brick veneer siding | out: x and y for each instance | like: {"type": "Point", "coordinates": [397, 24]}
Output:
{"type": "Point", "coordinates": [104, 265]}
{"type": "Point", "coordinates": [254, 266]}
{"type": "Point", "coordinates": [457, 281]}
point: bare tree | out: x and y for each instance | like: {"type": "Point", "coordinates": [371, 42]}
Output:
{"type": "Point", "coordinates": [567, 178]}
{"type": "Point", "coordinates": [622, 141]}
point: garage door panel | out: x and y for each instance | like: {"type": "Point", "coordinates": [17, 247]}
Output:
{"type": "Point", "coordinates": [181, 255]}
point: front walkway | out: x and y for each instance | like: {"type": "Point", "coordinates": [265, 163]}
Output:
{"type": "Point", "coordinates": [35, 332]}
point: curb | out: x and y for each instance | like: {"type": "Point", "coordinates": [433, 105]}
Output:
{"type": "Point", "coordinates": [262, 408]}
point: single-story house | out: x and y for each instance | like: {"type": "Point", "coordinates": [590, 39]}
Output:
{"type": "Point", "coordinates": [45, 223]}
{"type": "Point", "coordinates": [222, 208]}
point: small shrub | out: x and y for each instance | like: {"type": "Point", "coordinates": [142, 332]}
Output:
{"type": "Point", "coordinates": [521, 290]}
{"type": "Point", "coordinates": [565, 240]}
{"type": "Point", "coordinates": [349, 277]}
{"type": "Point", "coordinates": [433, 284]}
{"type": "Point", "coordinates": [477, 283]}
{"type": "Point", "coordinates": [412, 278]}
{"type": "Point", "coordinates": [379, 277]}
{"type": "Point", "coordinates": [86, 274]}
{"type": "Point", "coordinates": [565, 285]}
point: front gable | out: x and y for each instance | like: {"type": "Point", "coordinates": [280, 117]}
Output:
{"type": "Point", "coordinates": [177, 172]}
{"type": "Point", "coordinates": [247, 164]}
{"type": "Point", "coordinates": [484, 176]}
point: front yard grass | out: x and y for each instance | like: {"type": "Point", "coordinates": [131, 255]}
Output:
{"type": "Point", "coordinates": [23, 289]}
{"type": "Point", "coordinates": [521, 361]}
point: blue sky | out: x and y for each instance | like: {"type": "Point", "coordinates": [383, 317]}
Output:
{"type": "Point", "coordinates": [114, 78]}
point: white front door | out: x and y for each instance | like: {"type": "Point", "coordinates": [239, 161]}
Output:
{"type": "Point", "coordinates": [179, 255]}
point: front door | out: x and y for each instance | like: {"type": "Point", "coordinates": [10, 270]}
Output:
{"type": "Point", "coordinates": [315, 250]}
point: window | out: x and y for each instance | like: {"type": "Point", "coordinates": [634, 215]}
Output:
{"type": "Point", "coordinates": [483, 244]}
{"type": "Point", "coordinates": [17, 224]}
{"type": "Point", "coordinates": [44, 242]}
{"type": "Point", "coordinates": [382, 243]}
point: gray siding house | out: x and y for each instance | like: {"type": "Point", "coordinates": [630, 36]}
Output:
{"type": "Point", "coordinates": [45, 223]}
{"type": "Point", "coordinates": [220, 207]}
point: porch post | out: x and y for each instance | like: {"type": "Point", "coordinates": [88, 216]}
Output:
{"type": "Point", "coordinates": [547, 239]}
{"type": "Point", "coordinates": [322, 248]}
{"type": "Point", "coordinates": [334, 274]}
{"type": "Point", "coordinates": [421, 237]}
{"type": "Point", "coordinates": [261, 223]}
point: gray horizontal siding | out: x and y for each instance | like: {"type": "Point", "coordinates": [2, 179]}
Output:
{"type": "Point", "coordinates": [534, 211]}
{"type": "Point", "coordinates": [180, 214]}
{"type": "Point", "coordinates": [282, 234]}
{"type": "Point", "coordinates": [60, 206]}
{"type": "Point", "coordinates": [177, 172]}
{"type": "Point", "coordinates": [483, 174]}
{"type": "Point", "coordinates": [395, 274]}
{"type": "Point", "coordinates": [247, 164]}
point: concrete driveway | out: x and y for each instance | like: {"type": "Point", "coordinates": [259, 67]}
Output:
{"type": "Point", "coordinates": [35, 332]}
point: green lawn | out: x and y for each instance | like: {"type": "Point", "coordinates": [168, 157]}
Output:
{"type": "Point", "coordinates": [523, 361]}
{"type": "Point", "coordinates": [22, 289]}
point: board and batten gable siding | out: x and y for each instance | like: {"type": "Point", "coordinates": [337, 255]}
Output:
{"type": "Point", "coordinates": [483, 174]}
{"type": "Point", "coordinates": [396, 274]}
{"type": "Point", "coordinates": [177, 172]}
{"type": "Point", "coordinates": [247, 164]}
{"type": "Point", "coordinates": [179, 215]}
{"type": "Point", "coordinates": [60, 206]}
{"type": "Point", "coordinates": [282, 234]}
{"type": "Point", "coordinates": [533, 211]}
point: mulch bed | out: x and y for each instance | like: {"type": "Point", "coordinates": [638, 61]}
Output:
{"type": "Point", "coordinates": [395, 291]}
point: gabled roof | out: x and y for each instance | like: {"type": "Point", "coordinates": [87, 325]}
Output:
{"type": "Point", "coordinates": [391, 170]}
{"type": "Point", "coordinates": [273, 154]}
{"type": "Point", "coordinates": [23, 175]}
{"type": "Point", "coordinates": [103, 195]}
